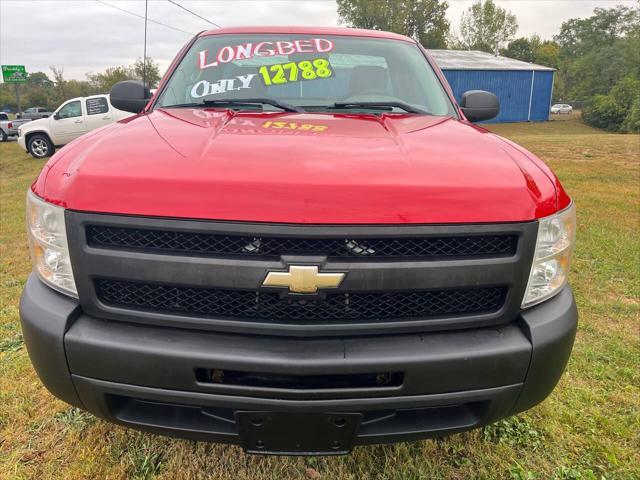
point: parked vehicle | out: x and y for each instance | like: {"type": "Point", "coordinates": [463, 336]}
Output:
{"type": "Point", "coordinates": [9, 128]}
{"type": "Point", "coordinates": [72, 119]}
{"type": "Point", "coordinates": [34, 113]}
{"type": "Point", "coordinates": [302, 243]}
{"type": "Point", "coordinates": [561, 108]}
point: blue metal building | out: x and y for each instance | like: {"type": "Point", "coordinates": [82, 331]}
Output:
{"type": "Point", "coordinates": [524, 89]}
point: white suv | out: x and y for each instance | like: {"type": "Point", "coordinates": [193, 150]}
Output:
{"type": "Point", "coordinates": [72, 119]}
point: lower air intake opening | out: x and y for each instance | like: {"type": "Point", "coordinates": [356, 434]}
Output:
{"type": "Point", "coordinates": [299, 382]}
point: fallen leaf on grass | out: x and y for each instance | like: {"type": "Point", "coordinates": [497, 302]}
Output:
{"type": "Point", "coordinates": [312, 473]}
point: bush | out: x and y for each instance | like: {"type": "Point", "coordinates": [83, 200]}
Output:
{"type": "Point", "coordinates": [632, 121]}
{"type": "Point", "coordinates": [619, 111]}
{"type": "Point", "coordinates": [602, 111]}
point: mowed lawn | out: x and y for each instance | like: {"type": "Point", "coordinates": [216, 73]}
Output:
{"type": "Point", "coordinates": [588, 428]}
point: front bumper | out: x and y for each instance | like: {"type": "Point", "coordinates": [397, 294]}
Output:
{"type": "Point", "coordinates": [22, 142]}
{"type": "Point", "coordinates": [147, 377]}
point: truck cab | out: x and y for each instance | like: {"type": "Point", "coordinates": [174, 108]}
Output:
{"type": "Point", "coordinates": [69, 121]}
{"type": "Point", "coordinates": [34, 113]}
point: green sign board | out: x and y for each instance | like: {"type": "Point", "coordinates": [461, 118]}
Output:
{"type": "Point", "coordinates": [14, 73]}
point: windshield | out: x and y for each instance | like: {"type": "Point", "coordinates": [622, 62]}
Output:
{"type": "Point", "coordinates": [310, 72]}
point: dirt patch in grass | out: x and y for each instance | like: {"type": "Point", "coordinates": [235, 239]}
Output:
{"type": "Point", "coordinates": [587, 429]}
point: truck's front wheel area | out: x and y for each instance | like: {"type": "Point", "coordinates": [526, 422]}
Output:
{"type": "Point", "coordinates": [40, 146]}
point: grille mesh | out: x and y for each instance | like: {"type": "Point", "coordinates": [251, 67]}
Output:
{"type": "Point", "coordinates": [221, 244]}
{"type": "Point", "coordinates": [261, 306]}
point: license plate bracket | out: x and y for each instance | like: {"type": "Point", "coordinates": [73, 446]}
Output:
{"type": "Point", "coordinates": [281, 433]}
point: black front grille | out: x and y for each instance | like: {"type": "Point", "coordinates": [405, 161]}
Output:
{"type": "Point", "coordinates": [268, 306]}
{"type": "Point", "coordinates": [164, 241]}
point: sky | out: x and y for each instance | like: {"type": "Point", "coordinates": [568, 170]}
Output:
{"type": "Point", "coordinates": [90, 35]}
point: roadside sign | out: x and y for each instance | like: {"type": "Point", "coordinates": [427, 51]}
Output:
{"type": "Point", "coordinates": [14, 73]}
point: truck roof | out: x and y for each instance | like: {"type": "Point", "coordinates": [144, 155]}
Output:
{"type": "Point", "coordinates": [351, 32]}
{"type": "Point", "coordinates": [83, 98]}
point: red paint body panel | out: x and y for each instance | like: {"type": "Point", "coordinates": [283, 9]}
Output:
{"type": "Point", "coordinates": [351, 32]}
{"type": "Point", "coordinates": [362, 169]}
{"type": "Point", "coordinates": [356, 169]}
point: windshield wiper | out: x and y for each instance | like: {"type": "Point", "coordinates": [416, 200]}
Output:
{"type": "Point", "coordinates": [386, 106]}
{"type": "Point", "coordinates": [239, 102]}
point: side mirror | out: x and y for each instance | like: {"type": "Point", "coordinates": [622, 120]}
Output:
{"type": "Point", "coordinates": [130, 96]}
{"type": "Point", "coordinates": [478, 105]}
{"type": "Point", "coordinates": [56, 116]}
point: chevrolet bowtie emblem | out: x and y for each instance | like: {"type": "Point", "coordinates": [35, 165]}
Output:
{"type": "Point", "coordinates": [303, 279]}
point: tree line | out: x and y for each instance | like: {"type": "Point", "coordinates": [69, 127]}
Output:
{"type": "Point", "coordinates": [50, 90]}
{"type": "Point", "coordinates": [597, 58]}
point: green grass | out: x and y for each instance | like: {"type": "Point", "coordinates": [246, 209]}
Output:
{"type": "Point", "coordinates": [587, 429]}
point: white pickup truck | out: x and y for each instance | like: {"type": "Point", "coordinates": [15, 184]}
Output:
{"type": "Point", "coordinates": [9, 127]}
{"type": "Point", "coordinates": [73, 118]}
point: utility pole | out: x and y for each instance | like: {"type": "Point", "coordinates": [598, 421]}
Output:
{"type": "Point", "coordinates": [144, 53]}
{"type": "Point", "coordinates": [17, 87]}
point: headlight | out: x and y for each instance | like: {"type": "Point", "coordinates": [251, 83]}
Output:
{"type": "Point", "coordinates": [556, 238]}
{"type": "Point", "coordinates": [48, 244]}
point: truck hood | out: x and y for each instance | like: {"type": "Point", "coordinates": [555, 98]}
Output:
{"type": "Point", "coordinates": [299, 168]}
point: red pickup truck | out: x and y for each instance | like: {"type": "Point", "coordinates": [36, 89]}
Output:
{"type": "Point", "coordinates": [300, 244]}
